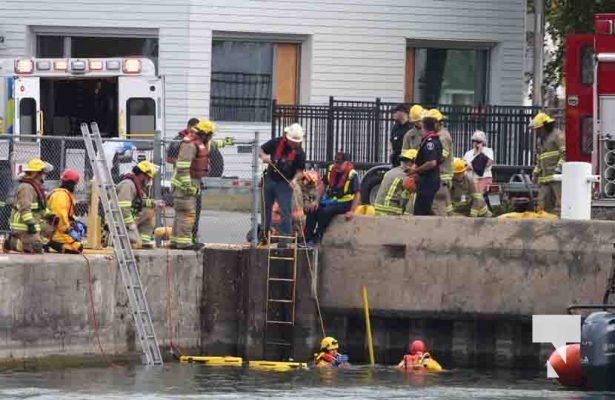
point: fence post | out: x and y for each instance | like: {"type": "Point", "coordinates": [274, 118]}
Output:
{"type": "Point", "coordinates": [330, 128]}
{"type": "Point", "coordinates": [274, 112]}
{"type": "Point", "coordinates": [375, 156]}
{"type": "Point", "coordinates": [157, 183]}
{"type": "Point", "coordinates": [255, 189]}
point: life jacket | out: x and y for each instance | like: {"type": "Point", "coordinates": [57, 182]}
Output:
{"type": "Point", "coordinates": [283, 160]}
{"type": "Point", "coordinates": [173, 148]}
{"type": "Point", "coordinates": [200, 163]}
{"type": "Point", "coordinates": [415, 361]}
{"type": "Point", "coordinates": [324, 358]}
{"type": "Point", "coordinates": [40, 193]}
{"type": "Point", "coordinates": [137, 202]}
{"type": "Point", "coordinates": [339, 184]}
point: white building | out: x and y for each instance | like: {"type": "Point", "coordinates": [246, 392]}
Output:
{"type": "Point", "coordinates": [228, 59]}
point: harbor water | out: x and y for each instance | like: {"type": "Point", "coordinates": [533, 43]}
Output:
{"type": "Point", "coordinates": [181, 381]}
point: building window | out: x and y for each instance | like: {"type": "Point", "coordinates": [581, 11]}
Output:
{"type": "Point", "coordinates": [446, 76]}
{"type": "Point", "coordinates": [90, 47]}
{"type": "Point", "coordinates": [246, 76]}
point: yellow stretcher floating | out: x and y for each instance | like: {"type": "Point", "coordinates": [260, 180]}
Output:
{"type": "Point", "coordinates": [433, 366]}
{"type": "Point", "coordinates": [277, 366]}
{"type": "Point", "coordinates": [528, 215]}
{"type": "Point", "coordinates": [213, 361]}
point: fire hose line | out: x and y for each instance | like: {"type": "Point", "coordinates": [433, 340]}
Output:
{"type": "Point", "coordinates": [309, 261]}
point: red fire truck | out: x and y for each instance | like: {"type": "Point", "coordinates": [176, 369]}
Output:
{"type": "Point", "coordinates": [590, 101]}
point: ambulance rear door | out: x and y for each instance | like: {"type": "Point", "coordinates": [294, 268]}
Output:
{"type": "Point", "coordinates": [141, 111]}
{"type": "Point", "coordinates": [28, 120]}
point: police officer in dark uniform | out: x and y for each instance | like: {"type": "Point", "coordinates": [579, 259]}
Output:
{"type": "Point", "coordinates": [401, 126]}
{"type": "Point", "coordinates": [426, 167]}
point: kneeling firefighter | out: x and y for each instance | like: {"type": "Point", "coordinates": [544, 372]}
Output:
{"type": "Point", "coordinates": [467, 200]}
{"type": "Point", "coordinates": [329, 355]}
{"type": "Point", "coordinates": [137, 208]}
{"type": "Point", "coordinates": [67, 233]}
{"type": "Point", "coordinates": [393, 196]}
{"type": "Point", "coordinates": [29, 226]}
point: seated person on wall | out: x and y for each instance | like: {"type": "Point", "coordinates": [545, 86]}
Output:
{"type": "Point", "coordinates": [467, 200]}
{"type": "Point", "coordinates": [68, 233]}
{"type": "Point", "coordinates": [418, 359]}
{"type": "Point", "coordinates": [329, 355]}
{"type": "Point", "coordinates": [339, 193]}
{"type": "Point", "coordinates": [29, 218]}
{"type": "Point", "coordinates": [137, 208]}
{"type": "Point", "coordinates": [392, 196]}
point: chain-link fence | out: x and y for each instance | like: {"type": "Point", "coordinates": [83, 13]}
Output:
{"type": "Point", "coordinates": [229, 208]}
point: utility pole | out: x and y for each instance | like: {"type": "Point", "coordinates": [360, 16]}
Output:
{"type": "Point", "coordinates": [539, 39]}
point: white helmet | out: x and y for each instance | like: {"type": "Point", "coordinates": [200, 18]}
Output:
{"type": "Point", "coordinates": [294, 133]}
{"type": "Point", "coordinates": [479, 136]}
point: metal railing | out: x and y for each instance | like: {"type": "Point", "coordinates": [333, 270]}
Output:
{"type": "Point", "coordinates": [226, 201]}
{"type": "Point", "coordinates": [362, 128]}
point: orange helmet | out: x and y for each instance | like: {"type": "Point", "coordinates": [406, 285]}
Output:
{"type": "Point", "coordinates": [418, 346]}
{"type": "Point", "coordinates": [70, 175]}
{"type": "Point", "coordinates": [311, 176]}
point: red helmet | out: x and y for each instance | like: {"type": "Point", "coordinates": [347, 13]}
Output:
{"type": "Point", "coordinates": [70, 175]}
{"type": "Point", "coordinates": [418, 346]}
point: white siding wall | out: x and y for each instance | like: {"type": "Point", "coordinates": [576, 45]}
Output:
{"type": "Point", "coordinates": [357, 46]}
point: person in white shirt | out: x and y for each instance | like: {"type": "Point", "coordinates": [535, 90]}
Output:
{"type": "Point", "coordinates": [479, 160]}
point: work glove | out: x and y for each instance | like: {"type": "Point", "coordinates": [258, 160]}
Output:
{"type": "Point", "coordinates": [76, 236]}
{"type": "Point", "coordinates": [558, 169]}
{"type": "Point", "coordinates": [81, 228]}
{"type": "Point", "coordinates": [341, 359]}
{"type": "Point", "coordinates": [32, 229]}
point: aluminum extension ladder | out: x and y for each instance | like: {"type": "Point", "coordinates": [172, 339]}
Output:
{"type": "Point", "coordinates": [121, 245]}
{"type": "Point", "coordinates": [281, 288]}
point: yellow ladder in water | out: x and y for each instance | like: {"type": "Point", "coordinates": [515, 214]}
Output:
{"type": "Point", "coordinates": [281, 295]}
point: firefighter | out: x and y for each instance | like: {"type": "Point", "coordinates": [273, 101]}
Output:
{"type": "Point", "coordinates": [401, 126]}
{"type": "Point", "coordinates": [29, 228]}
{"type": "Point", "coordinates": [137, 208]}
{"type": "Point", "coordinates": [550, 157]}
{"type": "Point", "coordinates": [68, 233]}
{"type": "Point", "coordinates": [329, 356]}
{"type": "Point", "coordinates": [392, 197]}
{"type": "Point", "coordinates": [426, 169]}
{"type": "Point", "coordinates": [442, 205]}
{"type": "Point", "coordinates": [339, 193]}
{"type": "Point", "coordinates": [467, 200]}
{"type": "Point", "coordinates": [412, 138]}
{"type": "Point", "coordinates": [286, 162]}
{"type": "Point", "coordinates": [191, 167]}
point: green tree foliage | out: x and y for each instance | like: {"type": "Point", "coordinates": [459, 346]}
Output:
{"type": "Point", "coordinates": [565, 17]}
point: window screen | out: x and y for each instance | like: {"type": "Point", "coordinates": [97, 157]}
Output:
{"type": "Point", "coordinates": [141, 118]}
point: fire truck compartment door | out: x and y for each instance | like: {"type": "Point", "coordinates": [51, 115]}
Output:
{"type": "Point", "coordinates": [28, 114]}
{"type": "Point", "coordinates": [140, 107]}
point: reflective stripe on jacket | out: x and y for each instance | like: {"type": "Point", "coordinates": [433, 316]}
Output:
{"type": "Point", "coordinates": [392, 196]}
{"type": "Point", "coordinates": [27, 208]}
{"type": "Point", "coordinates": [464, 194]}
{"type": "Point", "coordinates": [448, 153]}
{"type": "Point", "coordinates": [339, 190]}
{"type": "Point", "coordinates": [61, 203]}
{"type": "Point", "coordinates": [550, 154]}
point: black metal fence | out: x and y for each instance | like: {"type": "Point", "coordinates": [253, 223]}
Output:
{"type": "Point", "coordinates": [362, 128]}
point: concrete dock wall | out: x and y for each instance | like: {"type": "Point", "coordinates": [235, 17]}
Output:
{"type": "Point", "coordinates": [44, 303]}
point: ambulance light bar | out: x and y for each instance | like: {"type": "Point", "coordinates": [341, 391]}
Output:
{"type": "Point", "coordinates": [96, 65]}
{"type": "Point", "coordinates": [43, 65]}
{"type": "Point", "coordinates": [60, 65]}
{"type": "Point", "coordinates": [77, 66]}
{"type": "Point", "coordinates": [113, 65]}
{"type": "Point", "coordinates": [24, 66]}
{"type": "Point", "coordinates": [132, 66]}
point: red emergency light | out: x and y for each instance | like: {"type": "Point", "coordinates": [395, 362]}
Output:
{"type": "Point", "coordinates": [604, 27]}
{"type": "Point", "coordinates": [60, 65]}
{"type": "Point", "coordinates": [24, 66]}
{"type": "Point", "coordinates": [95, 65]}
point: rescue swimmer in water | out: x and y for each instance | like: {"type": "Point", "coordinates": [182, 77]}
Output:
{"type": "Point", "coordinates": [329, 355]}
{"type": "Point", "coordinates": [418, 359]}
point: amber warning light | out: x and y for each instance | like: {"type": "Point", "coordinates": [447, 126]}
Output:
{"type": "Point", "coordinates": [132, 66]}
{"type": "Point", "coordinates": [24, 66]}
{"type": "Point", "coordinates": [604, 27]}
{"type": "Point", "coordinates": [96, 65]}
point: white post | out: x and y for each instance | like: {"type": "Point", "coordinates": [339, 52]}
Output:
{"type": "Point", "coordinates": [577, 182]}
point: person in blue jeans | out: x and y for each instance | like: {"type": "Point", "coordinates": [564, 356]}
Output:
{"type": "Point", "coordinates": [338, 193]}
{"type": "Point", "coordinates": [286, 162]}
